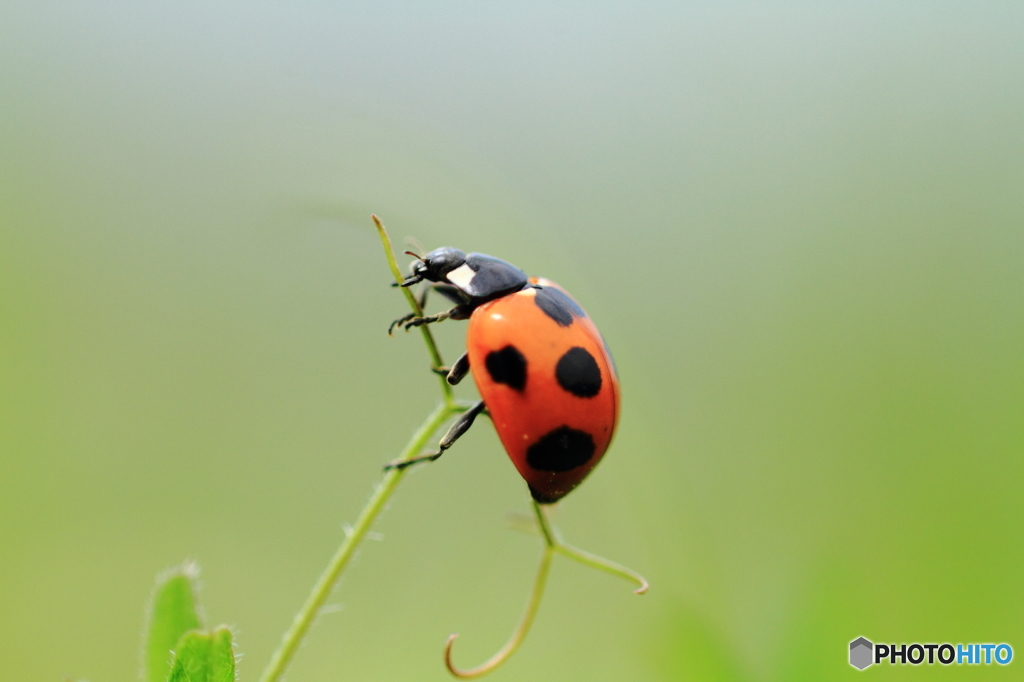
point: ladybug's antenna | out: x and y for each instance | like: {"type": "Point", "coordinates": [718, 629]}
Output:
{"type": "Point", "coordinates": [415, 243]}
{"type": "Point", "coordinates": [414, 278]}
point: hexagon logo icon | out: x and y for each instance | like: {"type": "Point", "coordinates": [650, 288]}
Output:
{"type": "Point", "coordinates": [860, 653]}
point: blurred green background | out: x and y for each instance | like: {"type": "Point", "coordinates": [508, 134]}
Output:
{"type": "Point", "coordinates": [800, 228]}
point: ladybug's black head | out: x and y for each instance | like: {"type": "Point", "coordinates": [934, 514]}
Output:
{"type": "Point", "coordinates": [435, 265]}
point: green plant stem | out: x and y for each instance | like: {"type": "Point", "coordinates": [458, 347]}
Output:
{"type": "Point", "coordinates": [555, 542]}
{"type": "Point", "coordinates": [325, 585]}
{"type": "Point", "coordinates": [428, 336]}
{"type": "Point", "coordinates": [602, 564]}
{"type": "Point", "coordinates": [550, 535]}
{"type": "Point", "coordinates": [322, 590]}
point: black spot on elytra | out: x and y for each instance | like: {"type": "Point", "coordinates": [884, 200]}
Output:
{"type": "Point", "coordinates": [507, 366]}
{"type": "Point", "coordinates": [561, 450]}
{"type": "Point", "coordinates": [558, 305]}
{"type": "Point", "coordinates": [578, 373]}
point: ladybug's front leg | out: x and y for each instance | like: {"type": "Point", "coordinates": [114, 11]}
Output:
{"type": "Point", "coordinates": [460, 426]}
{"type": "Point", "coordinates": [410, 320]}
{"type": "Point", "coordinates": [418, 321]}
{"type": "Point", "coordinates": [459, 312]}
{"type": "Point", "coordinates": [405, 318]}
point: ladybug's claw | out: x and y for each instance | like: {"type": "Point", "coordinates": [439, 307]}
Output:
{"type": "Point", "coordinates": [400, 321]}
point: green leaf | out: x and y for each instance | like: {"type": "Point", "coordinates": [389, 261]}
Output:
{"type": "Point", "coordinates": [173, 612]}
{"type": "Point", "coordinates": [204, 657]}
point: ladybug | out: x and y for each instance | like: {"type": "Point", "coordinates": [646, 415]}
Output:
{"type": "Point", "coordinates": [545, 375]}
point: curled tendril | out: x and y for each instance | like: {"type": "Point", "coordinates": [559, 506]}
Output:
{"type": "Point", "coordinates": [552, 544]}
{"type": "Point", "coordinates": [518, 635]}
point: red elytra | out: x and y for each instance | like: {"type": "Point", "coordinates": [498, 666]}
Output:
{"type": "Point", "coordinates": [554, 434]}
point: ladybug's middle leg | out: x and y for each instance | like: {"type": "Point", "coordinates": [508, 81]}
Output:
{"type": "Point", "coordinates": [460, 426]}
{"type": "Point", "coordinates": [456, 372]}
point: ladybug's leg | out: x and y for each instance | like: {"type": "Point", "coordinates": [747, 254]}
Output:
{"type": "Point", "coordinates": [456, 372]}
{"type": "Point", "coordinates": [459, 312]}
{"type": "Point", "coordinates": [418, 321]}
{"type": "Point", "coordinates": [405, 318]}
{"type": "Point", "coordinates": [460, 426]}
{"type": "Point", "coordinates": [459, 370]}
{"type": "Point", "coordinates": [423, 297]}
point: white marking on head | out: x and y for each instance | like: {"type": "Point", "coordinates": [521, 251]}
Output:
{"type": "Point", "coordinates": [461, 276]}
